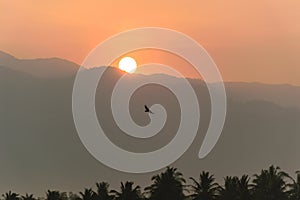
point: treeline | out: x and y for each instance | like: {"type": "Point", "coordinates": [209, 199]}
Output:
{"type": "Point", "coordinates": [269, 184]}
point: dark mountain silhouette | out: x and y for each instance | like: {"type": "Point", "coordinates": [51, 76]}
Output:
{"type": "Point", "coordinates": [41, 67]}
{"type": "Point", "coordinates": [38, 140]}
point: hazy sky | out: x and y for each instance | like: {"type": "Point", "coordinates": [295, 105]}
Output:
{"type": "Point", "coordinates": [257, 40]}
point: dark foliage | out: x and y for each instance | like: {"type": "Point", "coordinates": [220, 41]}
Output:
{"type": "Point", "coordinates": [269, 184]}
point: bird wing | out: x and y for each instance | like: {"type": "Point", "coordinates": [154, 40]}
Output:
{"type": "Point", "coordinates": [146, 108]}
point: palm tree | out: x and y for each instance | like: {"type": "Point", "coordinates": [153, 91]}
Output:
{"type": "Point", "coordinates": [167, 185]}
{"type": "Point", "coordinates": [205, 189]}
{"type": "Point", "coordinates": [230, 189]}
{"type": "Point", "coordinates": [270, 184]}
{"type": "Point", "coordinates": [294, 192]}
{"type": "Point", "coordinates": [235, 188]}
{"type": "Point", "coordinates": [128, 192]}
{"type": "Point", "coordinates": [56, 195]}
{"type": "Point", "coordinates": [53, 195]}
{"type": "Point", "coordinates": [11, 196]}
{"type": "Point", "coordinates": [88, 194]}
{"type": "Point", "coordinates": [28, 197]}
{"type": "Point", "coordinates": [103, 192]}
{"type": "Point", "coordinates": [244, 190]}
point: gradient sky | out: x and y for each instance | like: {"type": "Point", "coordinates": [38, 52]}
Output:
{"type": "Point", "coordinates": [257, 40]}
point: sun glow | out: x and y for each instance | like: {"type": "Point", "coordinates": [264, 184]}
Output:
{"type": "Point", "coordinates": [128, 65]}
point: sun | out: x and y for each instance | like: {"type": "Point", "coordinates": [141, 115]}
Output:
{"type": "Point", "coordinates": [128, 65]}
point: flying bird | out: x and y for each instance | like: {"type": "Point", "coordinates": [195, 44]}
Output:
{"type": "Point", "coordinates": [148, 110]}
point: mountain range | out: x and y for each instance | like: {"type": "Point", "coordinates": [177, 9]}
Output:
{"type": "Point", "coordinates": [40, 148]}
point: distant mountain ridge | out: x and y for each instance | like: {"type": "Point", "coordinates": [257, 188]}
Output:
{"type": "Point", "coordinates": [41, 67]}
{"type": "Point", "coordinates": [39, 142]}
{"type": "Point", "coordinates": [52, 68]}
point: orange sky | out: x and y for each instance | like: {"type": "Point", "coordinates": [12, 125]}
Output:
{"type": "Point", "coordinates": [250, 40]}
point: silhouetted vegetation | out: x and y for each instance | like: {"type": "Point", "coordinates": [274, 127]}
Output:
{"type": "Point", "coordinates": [127, 191]}
{"type": "Point", "coordinates": [205, 188]}
{"type": "Point", "coordinates": [269, 184]}
{"type": "Point", "coordinates": [167, 185]}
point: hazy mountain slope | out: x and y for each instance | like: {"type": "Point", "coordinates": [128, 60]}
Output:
{"type": "Point", "coordinates": [44, 68]}
{"type": "Point", "coordinates": [284, 94]}
{"type": "Point", "coordinates": [38, 140]}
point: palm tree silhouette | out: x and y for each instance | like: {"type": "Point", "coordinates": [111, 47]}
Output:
{"type": "Point", "coordinates": [103, 192]}
{"type": "Point", "coordinates": [235, 188]}
{"type": "Point", "coordinates": [128, 192]}
{"type": "Point", "coordinates": [270, 184]}
{"type": "Point", "coordinates": [28, 197]}
{"type": "Point", "coordinates": [244, 188]}
{"type": "Point", "coordinates": [88, 194]}
{"type": "Point", "coordinates": [11, 196]}
{"type": "Point", "coordinates": [55, 195]}
{"type": "Point", "coordinates": [205, 189]}
{"type": "Point", "coordinates": [167, 185]}
{"type": "Point", "coordinates": [230, 189]}
{"type": "Point", "coordinates": [294, 192]}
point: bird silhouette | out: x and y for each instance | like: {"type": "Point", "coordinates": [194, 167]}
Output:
{"type": "Point", "coordinates": [147, 109]}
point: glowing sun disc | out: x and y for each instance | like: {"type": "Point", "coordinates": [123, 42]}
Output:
{"type": "Point", "coordinates": [128, 65]}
